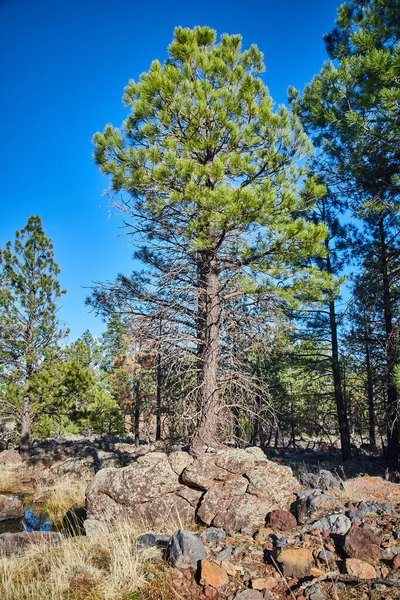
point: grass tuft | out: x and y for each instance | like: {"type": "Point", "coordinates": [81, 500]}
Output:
{"type": "Point", "coordinates": [104, 567]}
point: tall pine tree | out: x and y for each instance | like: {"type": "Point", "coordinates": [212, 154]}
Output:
{"type": "Point", "coordinates": [29, 326]}
{"type": "Point", "coordinates": [210, 171]}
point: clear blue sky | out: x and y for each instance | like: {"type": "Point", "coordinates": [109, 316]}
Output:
{"type": "Point", "coordinates": [63, 67]}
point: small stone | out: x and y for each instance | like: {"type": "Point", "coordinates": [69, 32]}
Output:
{"type": "Point", "coordinates": [359, 568]}
{"type": "Point", "coordinates": [154, 539]}
{"type": "Point", "coordinates": [315, 592]}
{"type": "Point", "coordinates": [224, 554]}
{"type": "Point", "coordinates": [249, 595]}
{"type": "Point", "coordinates": [380, 587]}
{"type": "Point", "coordinates": [228, 567]}
{"type": "Point", "coordinates": [339, 524]}
{"type": "Point", "coordinates": [247, 531]}
{"type": "Point", "coordinates": [294, 562]}
{"type": "Point", "coordinates": [282, 520]}
{"type": "Point", "coordinates": [396, 562]}
{"type": "Point", "coordinates": [315, 572]}
{"type": "Point", "coordinates": [326, 556]}
{"type": "Point", "coordinates": [213, 575]}
{"type": "Point", "coordinates": [213, 533]}
{"type": "Point", "coordinates": [362, 544]}
{"type": "Point", "coordinates": [210, 592]}
{"type": "Point", "coordinates": [185, 549]}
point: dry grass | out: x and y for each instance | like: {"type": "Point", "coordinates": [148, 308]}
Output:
{"type": "Point", "coordinates": [105, 567]}
{"type": "Point", "coordinates": [64, 494]}
{"type": "Point", "coordinates": [9, 479]}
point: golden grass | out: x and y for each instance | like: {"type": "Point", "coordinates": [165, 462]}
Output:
{"type": "Point", "coordinates": [105, 567]}
{"type": "Point", "coordinates": [9, 479]}
{"type": "Point", "coordinates": [64, 494]}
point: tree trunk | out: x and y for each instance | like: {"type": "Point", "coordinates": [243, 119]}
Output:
{"type": "Point", "coordinates": [158, 409]}
{"type": "Point", "coordinates": [370, 395]}
{"type": "Point", "coordinates": [391, 406]}
{"type": "Point", "coordinates": [208, 343]}
{"type": "Point", "coordinates": [26, 423]}
{"type": "Point", "coordinates": [340, 405]}
{"type": "Point", "coordinates": [137, 413]}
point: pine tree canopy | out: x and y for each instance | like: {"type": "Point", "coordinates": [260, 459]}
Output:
{"type": "Point", "coordinates": [209, 164]}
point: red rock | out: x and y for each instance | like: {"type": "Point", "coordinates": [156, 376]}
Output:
{"type": "Point", "coordinates": [210, 592]}
{"type": "Point", "coordinates": [371, 488]}
{"type": "Point", "coordinates": [282, 520]}
{"type": "Point", "coordinates": [396, 562]}
{"type": "Point", "coordinates": [212, 575]}
{"type": "Point", "coordinates": [362, 544]}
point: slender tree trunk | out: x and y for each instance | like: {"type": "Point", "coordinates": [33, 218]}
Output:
{"type": "Point", "coordinates": [391, 406]}
{"type": "Point", "coordinates": [340, 406]}
{"type": "Point", "coordinates": [26, 424]}
{"type": "Point", "coordinates": [159, 382]}
{"type": "Point", "coordinates": [208, 345]}
{"type": "Point", "coordinates": [370, 395]}
{"type": "Point", "coordinates": [137, 412]}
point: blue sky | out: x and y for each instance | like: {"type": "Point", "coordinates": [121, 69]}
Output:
{"type": "Point", "coordinates": [63, 67]}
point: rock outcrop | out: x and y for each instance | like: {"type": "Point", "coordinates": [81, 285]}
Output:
{"type": "Point", "coordinates": [230, 489]}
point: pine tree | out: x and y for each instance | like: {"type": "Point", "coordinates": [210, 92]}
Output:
{"type": "Point", "coordinates": [323, 324]}
{"type": "Point", "coordinates": [209, 172]}
{"type": "Point", "coordinates": [351, 110]}
{"type": "Point", "coordinates": [30, 329]}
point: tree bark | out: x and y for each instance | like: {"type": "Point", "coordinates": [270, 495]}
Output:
{"type": "Point", "coordinates": [137, 412]}
{"type": "Point", "coordinates": [158, 408]}
{"type": "Point", "coordinates": [391, 406]}
{"type": "Point", "coordinates": [26, 424]}
{"type": "Point", "coordinates": [208, 345]}
{"type": "Point", "coordinates": [339, 400]}
{"type": "Point", "coordinates": [370, 395]}
{"type": "Point", "coordinates": [340, 406]}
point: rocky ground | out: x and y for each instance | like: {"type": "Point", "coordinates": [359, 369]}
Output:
{"type": "Point", "coordinates": [227, 524]}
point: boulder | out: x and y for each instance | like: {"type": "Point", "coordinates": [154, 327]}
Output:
{"type": "Point", "coordinates": [10, 457]}
{"type": "Point", "coordinates": [282, 520]}
{"type": "Point", "coordinates": [372, 488]}
{"type": "Point", "coordinates": [10, 508]}
{"type": "Point", "coordinates": [76, 467]}
{"type": "Point", "coordinates": [185, 550]}
{"type": "Point", "coordinates": [294, 562]}
{"type": "Point", "coordinates": [104, 460]}
{"type": "Point", "coordinates": [339, 524]}
{"type": "Point", "coordinates": [230, 489]}
{"type": "Point", "coordinates": [203, 472]}
{"type": "Point", "coordinates": [322, 480]}
{"type": "Point", "coordinates": [93, 527]}
{"type": "Point", "coordinates": [313, 504]}
{"type": "Point", "coordinates": [17, 543]}
{"type": "Point", "coordinates": [143, 491]}
{"type": "Point", "coordinates": [359, 568]}
{"type": "Point", "coordinates": [362, 544]}
{"type": "Point", "coordinates": [212, 574]}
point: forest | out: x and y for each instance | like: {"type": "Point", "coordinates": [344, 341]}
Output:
{"type": "Point", "coordinates": [263, 304]}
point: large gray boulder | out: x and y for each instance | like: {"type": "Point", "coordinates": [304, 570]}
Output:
{"type": "Point", "coordinates": [146, 492]}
